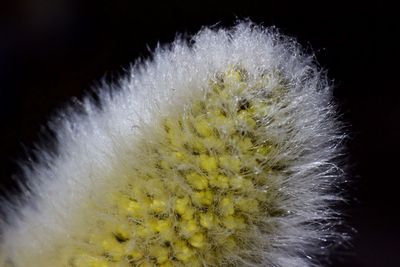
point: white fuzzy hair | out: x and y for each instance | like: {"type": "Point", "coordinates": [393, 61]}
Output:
{"type": "Point", "coordinates": [95, 137]}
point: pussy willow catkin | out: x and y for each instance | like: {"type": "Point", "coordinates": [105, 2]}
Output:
{"type": "Point", "coordinates": [217, 152]}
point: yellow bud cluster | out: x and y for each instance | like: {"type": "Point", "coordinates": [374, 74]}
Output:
{"type": "Point", "coordinates": [194, 207]}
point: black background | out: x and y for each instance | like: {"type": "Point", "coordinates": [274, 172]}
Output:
{"type": "Point", "coordinates": [51, 51]}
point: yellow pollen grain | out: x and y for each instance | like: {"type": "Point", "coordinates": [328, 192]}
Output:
{"type": "Point", "coordinates": [136, 254]}
{"type": "Point", "coordinates": [226, 206]}
{"type": "Point", "coordinates": [230, 163]}
{"type": "Point", "coordinates": [207, 220]}
{"type": "Point", "coordinates": [158, 205]}
{"type": "Point", "coordinates": [188, 228]}
{"type": "Point", "coordinates": [220, 181]}
{"type": "Point", "coordinates": [160, 253]}
{"type": "Point", "coordinates": [203, 127]}
{"type": "Point", "coordinates": [198, 240]}
{"type": "Point", "coordinates": [113, 248]}
{"type": "Point", "coordinates": [197, 181]}
{"type": "Point", "coordinates": [203, 198]}
{"type": "Point", "coordinates": [208, 163]}
{"type": "Point", "coordinates": [182, 251]}
{"type": "Point", "coordinates": [182, 205]}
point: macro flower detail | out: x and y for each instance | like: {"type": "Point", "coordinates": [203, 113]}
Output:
{"type": "Point", "coordinates": [217, 152]}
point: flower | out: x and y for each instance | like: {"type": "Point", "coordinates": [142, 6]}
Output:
{"type": "Point", "coordinates": [216, 152]}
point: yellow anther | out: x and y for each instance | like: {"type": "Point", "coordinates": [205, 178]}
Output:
{"type": "Point", "coordinates": [166, 264]}
{"type": "Point", "coordinates": [216, 87]}
{"type": "Point", "coordinates": [188, 228]}
{"type": "Point", "coordinates": [197, 181]}
{"type": "Point", "coordinates": [153, 185]}
{"type": "Point", "coordinates": [198, 240]}
{"type": "Point", "coordinates": [175, 137]}
{"type": "Point", "coordinates": [248, 185]}
{"type": "Point", "coordinates": [123, 230]}
{"type": "Point", "coordinates": [197, 144]}
{"type": "Point", "coordinates": [203, 197]}
{"type": "Point", "coordinates": [229, 222]}
{"type": "Point", "coordinates": [129, 207]}
{"type": "Point", "coordinates": [182, 205]}
{"type": "Point", "coordinates": [195, 261]}
{"type": "Point", "coordinates": [264, 150]}
{"type": "Point", "coordinates": [233, 222]}
{"type": "Point", "coordinates": [229, 162]}
{"type": "Point", "coordinates": [188, 215]}
{"type": "Point", "coordinates": [237, 182]}
{"type": "Point", "coordinates": [163, 225]}
{"type": "Point", "coordinates": [109, 243]}
{"type": "Point", "coordinates": [146, 264]}
{"type": "Point", "coordinates": [240, 183]}
{"type": "Point", "coordinates": [213, 143]}
{"type": "Point", "coordinates": [136, 254]}
{"type": "Point", "coordinates": [246, 118]}
{"type": "Point", "coordinates": [223, 124]}
{"type": "Point", "coordinates": [222, 95]}
{"type": "Point", "coordinates": [220, 181]}
{"type": "Point", "coordinates": [247, 205]}
{"type": "Point", "coordinates": [233, 79]}
{"type": "Point", "coordinates": [165, 229]}
{"type": "Point", "coordinates": [214, 113]}
{"type": "Point", "coordinates": [112, 247]}
{"type": "Point", "coordinates": [219, 96]}
{"type": "Point", "coordinates": [226, 206]}
{"type": "Point", "coordinates": [143, 231]}
{"type": "Point", "coordinates": [208, 163]}
{"type": "Point", "coordinates": [179, 156]}
{"type": "Point", "coordinates": [135, 210]}
{"type": "Point", "coordinates": [207, 220]}
{"type": "Point", "coordinates": [160, 253]}
{"type": "Point", "coordinates": [203, 127]}
{"type": "Point", "coordinates": [182, 251]}
{"type": "Point", "coordinates": [158, 205]}
{"type": "Point", "coordinates": [245, 145]}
